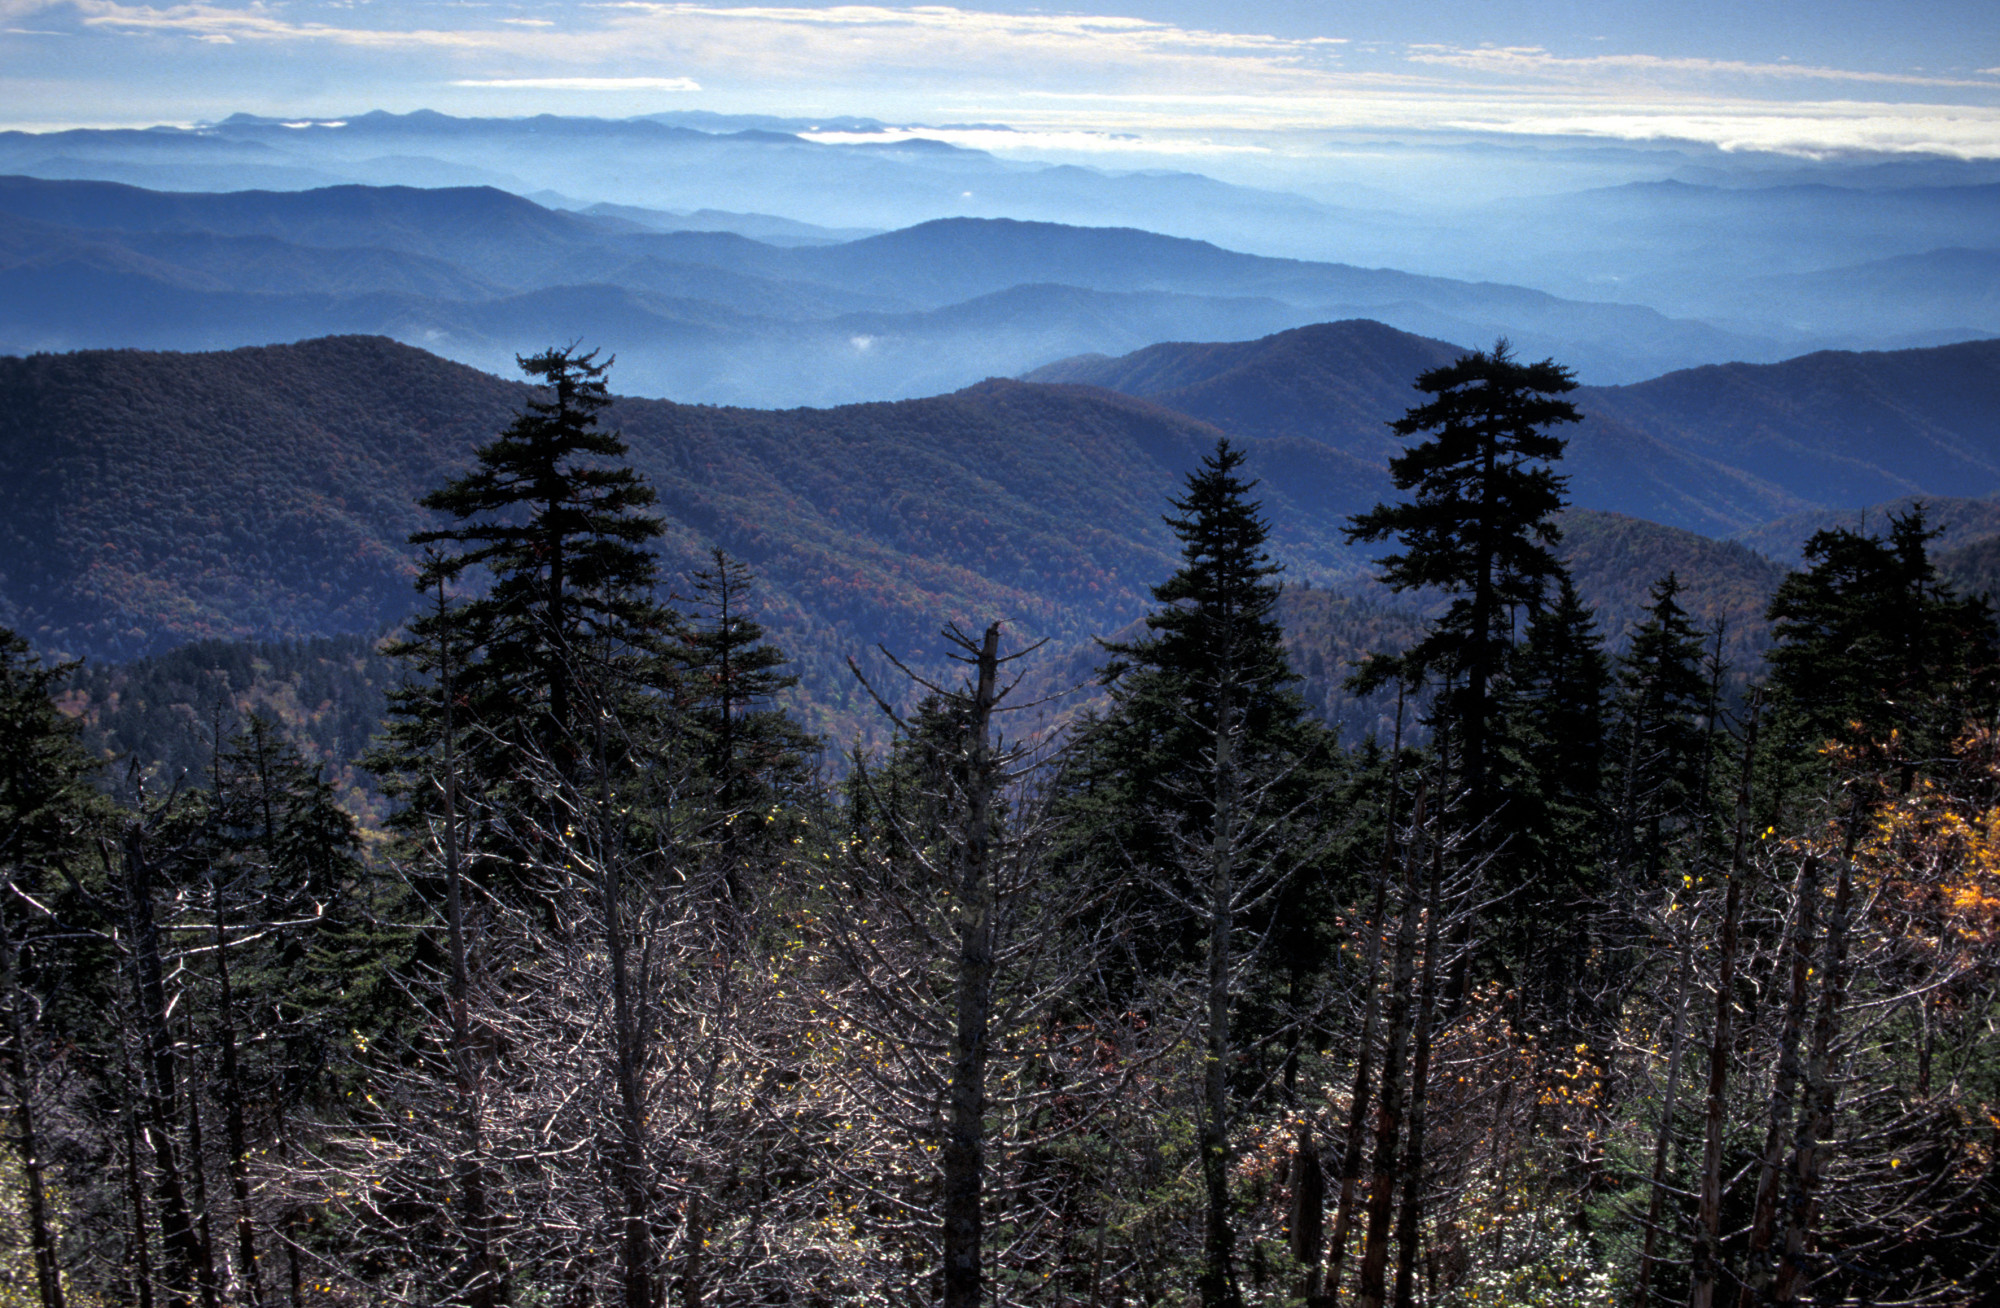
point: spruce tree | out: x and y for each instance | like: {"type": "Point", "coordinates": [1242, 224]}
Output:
{"type": "Point", "coordinates": [554, 523]}
{"type": "Point", "coordinates": [1660, 737]}
{"type": "Point", "coordinates": [1479, 527]}
{"type": "Point", "coordinates": [555, 518]}
{"type": "Point", "coordinates": [1872, 648]}
{"type": "Point", "coordinates": [1137, 784]}
{"type": "Point", "coordinates": [1547, 836]}
{"type": "Point", "coordinates": [48, 986]}
{"type": "Point", "coordinates": [1558, 682]}
{"type": "Point", "coordinates": [750, 751]}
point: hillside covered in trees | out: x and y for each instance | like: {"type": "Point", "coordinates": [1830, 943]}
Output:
{"type": "Point", "coordinates": [1563, 909]}
{"type": "Point", "coordinates": [266, 494]}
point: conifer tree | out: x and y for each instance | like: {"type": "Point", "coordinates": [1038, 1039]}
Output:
{"type": "Point", "coordinates": [1136, 785]}
{"type": "Point", "coordinates": [1870, 644]}
{"type": "Point", "coordinates": [1194, 782]}
{"type": "Point", "coordinates": [750, 751]}
{"type": "Point", "coordinates": [555, 523]}
{"type": "Point", "coordinates": [1660, 738]}
{"type": "Point", "coordinates": [1480, 527]}
{"type": "Point", "coordinates": [47, 808]}
{"type": "Point", "coordinates": [1554, 717]}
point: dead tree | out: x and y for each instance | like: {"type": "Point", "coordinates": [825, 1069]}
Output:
{"type": "Point", "coordinates": [1708, 1219]}
{"type": "Point", "coordinates": [190, 1271]}
{"type": "Point", "coordinates": [954, 940]}
{"type": "Point", "coordinates": [1373, 1288]}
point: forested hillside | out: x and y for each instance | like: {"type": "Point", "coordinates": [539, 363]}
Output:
{"type": "Point", "coordinates": [1719, 450]}
{"type": "Point", "coordinates": [167, 716]}
{"type": "Point", "coordinates": [1502, 930]}
{"type": "Point", "coordinates": [269, 494]}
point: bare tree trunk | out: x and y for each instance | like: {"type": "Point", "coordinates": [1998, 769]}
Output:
{"type": "Point", "coordinates": [139, 1254]}
{"type": "Point", "coordinates": [1664, 1137]}
{"type": "Point", "coordinates": [1760, 1273]}
{"type": "Point", "coordinates": [1708, 1222]}
{"type": "Point", "coordinates": [1389, 1115]}
{"type": "Point", "coordinates": [635, 1259]}
{"type": "Point", "coordinates": [1218, 1277]}
{"type": "Point", "coordinates": [487, 1286]}
{"type": "Point", "coordinates": [288, 1220]}
{"type": "Point", "coordinates": [177, 1234]}
{"type": "Point", "coordinates": [1410, 1219]}
{"type": "Point", "coordinates": [1308, 1224]}
{"type": "Point", "coordinates": [232, 1090]}
{"type": "Point", "coordinates": [198, 1175]}
{"type": "Point", "coordinates": [48, 1273]}
{"type": "Point", "coordinates": [1815, 1129]}
{"type": "Point", "coordinates": [965, 1142]}
{"type": "Point", "coordinates": [1364, 1060]}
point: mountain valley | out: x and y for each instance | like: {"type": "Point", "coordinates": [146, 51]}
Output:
{"type": "Point", "coordinates": [267, 493]}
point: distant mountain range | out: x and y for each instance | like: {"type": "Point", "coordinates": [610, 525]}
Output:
{"type": "Point", "coordinates": [480, 275]}
{"type": "Point", "coordinates": [1774, 260]}
{"type": "Point", "coordinates": [663, 162]}
{"type": "Point", "coordinates": [147, 499]}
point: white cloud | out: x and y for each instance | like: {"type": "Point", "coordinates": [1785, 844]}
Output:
{"type": "Point", "coordinates": [1533, 61]}
{"type": "Point", "coordinates": [584, 83]}
{"type": "Point", "coordinates": [1073, 82]}
{"type": "Point", "coordinates": [1813, 130]}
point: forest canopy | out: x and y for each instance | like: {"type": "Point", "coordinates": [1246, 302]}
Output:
{"type": "Point", "coordinates": [1482, 954]}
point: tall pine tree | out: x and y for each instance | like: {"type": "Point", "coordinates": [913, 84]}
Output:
{"type": "Point", "coordinates": [554, 523]}
{"type": "Point", "coordinates": [1479, 527]}
{"type": "Point", "coordinates": [1660, 737]}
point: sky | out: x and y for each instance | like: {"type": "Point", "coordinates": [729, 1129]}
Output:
{"type": "Point", "coordinates": [1812, 78]}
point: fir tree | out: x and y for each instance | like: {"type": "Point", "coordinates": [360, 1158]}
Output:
{"type": "Point", "coordinates": [47, 808]}
{"type": "Point", "coordinates": [750, 751]}
{"type": "Point", "coordinates": [1138, 781]}
{"type": "Point", "coordinates": [1660, 736]}
{"type": "Point", "coordinates": [1547, 836]}
{"type": "Point", "coordinates": [289, 859]}
{"type": "Point", "coordinates": [1479, 527]}
{"type": "Point", "coordinates": [1873, 648]}
{"type": "Point", "coordinates": [1557, 686]}
{"type": "Point", "coordinates": [555, 522]}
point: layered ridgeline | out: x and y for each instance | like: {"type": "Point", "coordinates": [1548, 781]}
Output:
{"type": "Point", "coordinates": [480, 275]}
{"type": "Point", "coordinates": [1720, 450]}
{"type": "Point", "coordinates": [1804, 254]}
{"type": "Point", "coordinates": [152, 499]}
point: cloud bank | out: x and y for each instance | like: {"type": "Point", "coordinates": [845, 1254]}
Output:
{"type": "Point", "coordinates": [1088, 76]}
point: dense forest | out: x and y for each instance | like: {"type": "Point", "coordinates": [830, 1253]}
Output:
{"type": "Point", "coordinates": [1286, 947]}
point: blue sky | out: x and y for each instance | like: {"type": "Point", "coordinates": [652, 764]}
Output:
{"type": "Point", "coordinates": [1120, 77]}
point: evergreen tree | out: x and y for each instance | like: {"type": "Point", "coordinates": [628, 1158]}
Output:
{"type": "Point", "coordinates": [750, 751]}
{"type": "Point", "coordinates": [555, 522]}
{"type": "Point", "coordinates": [45, 775]}
{"type": "Point", "coordinates": [288, 859]}
{"type": "Point", "coordinates": [1558, 682]}
{"type": "Point", "coordinates": [1871, 645]}
{"type": "Point", "coordinates": [1480, 527]}
{"type": "Point", "coordinates": [1660, 736]}
{"type": "Point", "coordinates": [48, 987]}
{"type": "Point", "coordinates": [1138, 784]}
{"type": "Point", "coordinates": [1546, 837]}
